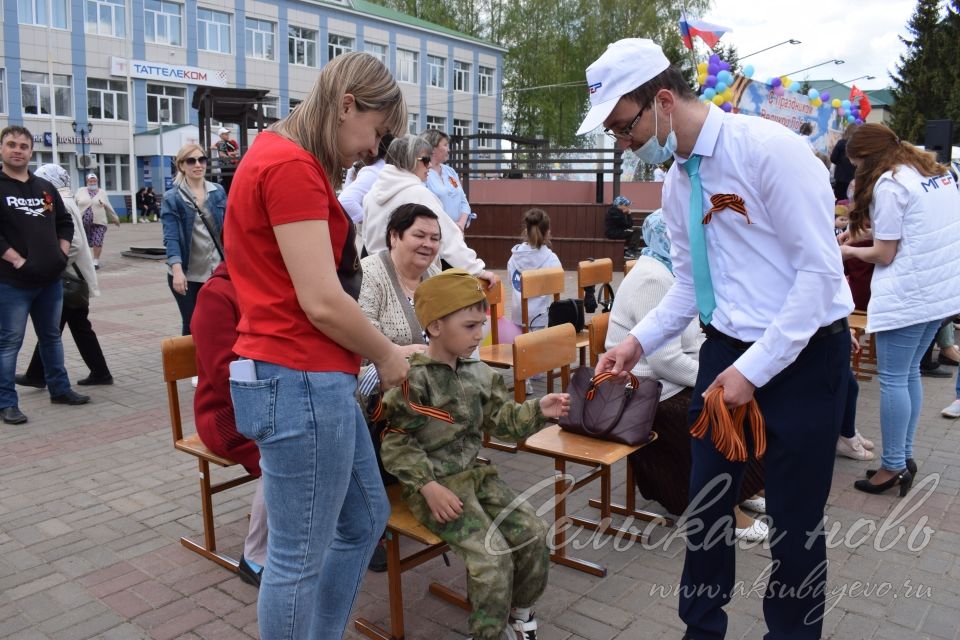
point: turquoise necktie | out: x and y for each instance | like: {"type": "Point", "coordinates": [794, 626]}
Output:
{"type": "Point", "coordinates": [702, 284]}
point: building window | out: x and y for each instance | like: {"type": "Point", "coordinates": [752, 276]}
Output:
{"type": "Point", "coordinates": [38, 159]}
{"type": "Point", "coordinates": [461, 127]}
{"type": "Point", "coordinates": [35, 94]}
{"type": "Point", "coordinates": [488, 128]}
{"type": "Point", "coordinates": [437, 122]}
{"type": "Point", "coordinates": [105, 18]}
{"type": "Point", "coordinates": [461, 76]}
{"type": "Point", "coordinates": [413, 123]}
{"type": "Point", "coordinates": [107, 99]}
{"type": "Point", "coordinates": [294, 103]}
{"type": "Point", "coordinates": [485, 81]}
{"type": "Point", "coordinates": [163, 22]}
{"type": "Point", "coordinates": [303, 46]}
{"type": "Point", "coordinates": [378, 51]}
{"type": "Point", "coordinates": [259, 39]}
{"type": "Point", "coordinates": [166, 105]}
{"type": "Point", "coordinates": [408, 66]}
{"type": "Point", "coordinates": [338, 45]}
{"type": "Point", "coordinates": [3, 91]}
{"type": "Point", "coordinates": [437, 71]}
{"type": "Point", "coordinates": [115, 171]}
{"type": "Point", "coordinates": [213, 31]}
{"type": "Point", "coordinates": [271, 107]}
{"type": "Point", "coordinates": [45, 13]}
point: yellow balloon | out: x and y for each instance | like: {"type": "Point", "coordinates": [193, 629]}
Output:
{"type": "Point", "coordinates": [728, 94]}
{"type": "Point", "coordinates": [816, 102]}
{"type": "Point", "coordinates": [719, 99]}
{"type": "Point", "coordinates": [786, 81]}
{"type": "Point", "coordinates": [702, 68]}
{"type": "Point", "coordinates": [835, 103]}
{"type": "Point", "coordinates": [701, 79]}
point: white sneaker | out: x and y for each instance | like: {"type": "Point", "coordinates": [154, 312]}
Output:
{"type": "Point", "coordinates": [757, 504]}
{"type": "Point", "coordinates": [867, 444]}
{"type": "Point", "coordinates": [757, 532]}
{"type": "Point", "coordinates": [953, 411]}
{"type": "Point", "coordinates": [852, 448]}
{"type": "Point", "coordinates": [522, 630]}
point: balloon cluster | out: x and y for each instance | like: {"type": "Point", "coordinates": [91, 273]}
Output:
{"type": "Point", "coordinates": [716, 81]}
{"type": "Point", "coordinates": [847, 110]}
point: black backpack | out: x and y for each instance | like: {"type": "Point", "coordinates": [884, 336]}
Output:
{"type": "Point", "coordinates": [590, 303]}
{"type": "Point", "coordinates": [566, 310]}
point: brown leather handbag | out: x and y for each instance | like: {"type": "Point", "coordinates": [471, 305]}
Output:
{"type": "Point", "coordinates": [601, 407]}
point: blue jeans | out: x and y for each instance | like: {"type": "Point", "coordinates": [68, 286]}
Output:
{"type": "Point", "coordinates": [326, 506]}
{"type": "Point", "coordinates": [901, 395]}
{"type": "Point", "coordinates": [42, 305]}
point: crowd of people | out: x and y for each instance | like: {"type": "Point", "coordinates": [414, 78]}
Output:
{"type": "Point", "coordinates": [313, 335]}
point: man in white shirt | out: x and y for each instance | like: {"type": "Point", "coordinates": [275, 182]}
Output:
{"type": "Point", "coordinates": [771, 295]}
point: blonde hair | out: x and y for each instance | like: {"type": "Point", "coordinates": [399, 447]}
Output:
{"type": "Point", "coordinates": [315, 123]}
{"type": "Point", "coordinates": [536, 226]}
{"type": "Point", "coordinates": [182, 155]}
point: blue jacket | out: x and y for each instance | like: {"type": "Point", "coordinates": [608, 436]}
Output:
{"type": "Point", "coordinates": [177, 217]}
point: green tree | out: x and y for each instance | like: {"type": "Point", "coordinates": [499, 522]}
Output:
{"type": "Point", "coordinates": [924, 80]}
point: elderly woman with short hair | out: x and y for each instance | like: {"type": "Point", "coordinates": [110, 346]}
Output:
{"type": "Point", "coordinates": [401, 182]}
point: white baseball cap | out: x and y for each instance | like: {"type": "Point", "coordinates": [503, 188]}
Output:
{"type": "Point", "coordinates": [222, 131]}
{"type": "Point", "coordinates": [624, 66]}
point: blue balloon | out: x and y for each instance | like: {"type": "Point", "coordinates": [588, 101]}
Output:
{"type": "Point", "coordinates": [813, 94]}
{"type": "Point", "coordinates": [725, 77]}
{"type": "Point", "coordinates": [721, 87]}
{"type": "Point", "coordinates": [850, 118]}
{"type": "Point", "coordinates": [845, 104]}
{"type": "Point", "coordinates": [748, 71]}
{"type": "Point", "coordinates": [709, 92]}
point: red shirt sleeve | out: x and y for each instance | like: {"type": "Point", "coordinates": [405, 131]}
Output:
{"type": "Point", "coordinates": [295, 191]}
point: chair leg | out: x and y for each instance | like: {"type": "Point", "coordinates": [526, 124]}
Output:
{"type": "Point", "coordinates": [395, 595]}
{"type": "Point", "coordinates": [209, 548]}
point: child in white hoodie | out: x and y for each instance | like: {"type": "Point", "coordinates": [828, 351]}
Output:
{"type": "Point", "coordinates": [534, 253]}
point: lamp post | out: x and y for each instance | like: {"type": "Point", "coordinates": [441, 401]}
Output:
{"type": "Point", "coordinates": [845, 82]}
{"type": "Point", "coordinates": [834, 61]}
{"type": "Point", "coordinates": [164, 114]}
{"type": "Point", "coordinates": [773, 46]}
{"type": "Point", "coordinates": [83, 132]}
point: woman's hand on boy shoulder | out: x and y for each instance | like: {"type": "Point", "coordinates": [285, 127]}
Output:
{"type": "Point", "coordinates": [444, 504]}
{"type": "Point", "coordinates": [555, 405]}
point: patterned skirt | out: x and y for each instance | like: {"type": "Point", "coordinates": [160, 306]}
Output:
{"type": "Point", "coordinates": [662, 469]}
{"type": "Point", "coordinates": [95, 232]}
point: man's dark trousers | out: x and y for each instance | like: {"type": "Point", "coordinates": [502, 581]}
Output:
{"type": "Point", "coordinates": [803, 410]}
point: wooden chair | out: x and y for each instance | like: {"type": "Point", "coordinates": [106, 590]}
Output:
{"type": "Point", "coordinates": [867, 354]}
{"type": "Point", "coordinates": [601, 455]}
{"type": "Point", "coordinates": [543, 351]}
{"type": "Point", "coordinates": [548, 282]}
{"type": "Point", "coordinates": [179, 363]}
{"type": "Point", "coordinates": [593, 273]}
{"type": "Point", "coordinates": [627, 266]}
{"type": "Point", "coordinates": [496, 354]}
{"type": "Point", "coordinates": [598, 336]}
{"type": "Point", "coordinates": [403, 524]}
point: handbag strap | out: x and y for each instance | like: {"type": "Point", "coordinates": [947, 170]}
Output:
{"type": "Point", "coordinates": [591, 392]}
{"type": "Point", "coordinates": [202, 212]}
{"type": "Point", "coordinates": [728, 435]}
{"type": "Point", "coordinates": [422, 409]}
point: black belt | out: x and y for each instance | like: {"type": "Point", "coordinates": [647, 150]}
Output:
{"type": "Point", "coordinates": [833, 328]}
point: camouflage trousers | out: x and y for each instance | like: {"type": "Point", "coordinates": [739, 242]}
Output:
{"type": "Point", "coordinates": [503, 545]}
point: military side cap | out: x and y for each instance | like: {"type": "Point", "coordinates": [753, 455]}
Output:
{"type": "Point", "coordinates": [445, 293]}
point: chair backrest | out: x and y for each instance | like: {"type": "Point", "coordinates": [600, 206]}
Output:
{"type": "Point", "coordinates": [495, 300]}
{"type": "Point", "coordinates": [543, 351]}
{"type": "Point", "coordinates": [593, 272]}
{"type": "Point", "coordinates": [179, 363]}
{"type": "Point", "coordinates": [598, 336]}
{"type": "Point", "coordinates": [535, 283]}
{"type": "Point", "coordinates": [627, 266]}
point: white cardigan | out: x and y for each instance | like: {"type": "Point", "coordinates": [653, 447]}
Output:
{"type": "Point", "coordinates": [676, 363]}
{"type": "Point", "coordinates": [395, 187]}
{"type": "Point", "coordinates": [100, 203]}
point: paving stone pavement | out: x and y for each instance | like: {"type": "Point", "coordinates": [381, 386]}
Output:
{"type": "Point", "coordinates": [94, 499]}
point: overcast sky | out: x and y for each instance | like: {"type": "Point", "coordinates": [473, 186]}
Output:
{"type": "Point", "coordinates": [864, 35]}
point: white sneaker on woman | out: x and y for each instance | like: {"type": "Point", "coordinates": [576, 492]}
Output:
{"type": "Point", "coordinates": [852, 448]}
{"type": "Point", "coordinates": [952, 411]}
{"type": "Point", "coordinates": [757, 504]}
{"type": "Point", "coordinates": [757, 532]}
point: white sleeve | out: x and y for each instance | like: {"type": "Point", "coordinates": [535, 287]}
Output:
{"type": "Point", "coordinates": [351, 198]}
{"type": "Point", "coordinates": [886, 213]}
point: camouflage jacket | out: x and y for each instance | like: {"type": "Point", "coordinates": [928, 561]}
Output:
{"type": "Point", "coordinates": [418, 449]}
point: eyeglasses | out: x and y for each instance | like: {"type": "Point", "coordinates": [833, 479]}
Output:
{"type": "Point", "coordinates": [425, 160]}
{"type": "Point", "coordinates": [194, 161]}
{"type": "Point", "coordinates": [624, 134]}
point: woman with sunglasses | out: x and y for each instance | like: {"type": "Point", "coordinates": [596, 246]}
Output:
{"type": "Point", "coordinates": [402, 182]}
{"type": "Point", "coordinates": [192, 216]}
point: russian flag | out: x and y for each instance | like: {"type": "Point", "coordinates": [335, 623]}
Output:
{"type": "Point", "coordinates": [706, 31]}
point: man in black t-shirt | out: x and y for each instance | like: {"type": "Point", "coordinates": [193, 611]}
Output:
{"type": "Point", "coordinates": [35, 235]}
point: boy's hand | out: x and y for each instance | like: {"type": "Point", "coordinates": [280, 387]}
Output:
{"type": "Point", "coordinates": [555, 405]}
{"type": "Point", "coordinates": [444, 504]}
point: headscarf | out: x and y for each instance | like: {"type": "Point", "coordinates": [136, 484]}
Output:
{"type": "Point", "coordinates": [657, 239]}
{"type": "Point", "coordinates": [54, 174]}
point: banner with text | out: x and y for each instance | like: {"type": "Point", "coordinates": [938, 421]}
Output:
{"type": "Point", "coordinates": [168, 72]}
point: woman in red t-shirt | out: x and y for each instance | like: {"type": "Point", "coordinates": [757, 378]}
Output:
{"type": "Point", "coordinates": [293, 261]}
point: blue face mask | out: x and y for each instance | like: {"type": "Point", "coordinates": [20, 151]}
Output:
{"type": "Point", "coordinates": [652, 152]}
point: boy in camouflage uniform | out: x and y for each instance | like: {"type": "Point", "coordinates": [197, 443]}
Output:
{"type": "Point", "coordinates": [437, 421]}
